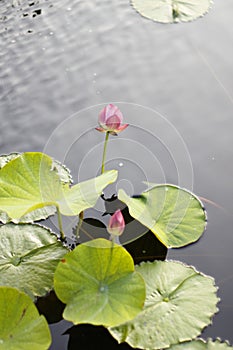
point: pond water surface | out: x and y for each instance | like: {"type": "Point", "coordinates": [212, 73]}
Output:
{"type": "Point", "coordinates": [61, 61]}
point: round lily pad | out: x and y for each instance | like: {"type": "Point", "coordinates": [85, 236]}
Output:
{"type": "Point", "coordinates": [180, 302]}
{"type": "Point", "coordinates": [98, 283]}
{"type": "Point", "coordinates": [172, 11]}
{"type": "Point", "coordinates": [200, 344]}
{"type": "Point", "coordinates": [29, 255]}
{"type": "Point", "coordinates": [21, 326]}
{"type": "Point", "coordinates": [175, 215]}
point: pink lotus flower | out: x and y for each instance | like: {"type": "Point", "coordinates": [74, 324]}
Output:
{"type": "Point", "coordinates": [116, 224]}
{"type": "Point", "coordinates": [110, 120]}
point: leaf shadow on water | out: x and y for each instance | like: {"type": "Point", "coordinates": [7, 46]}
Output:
{"type": "Point", "coordinates": [51, 307]}
{"type": "Point", "coordinates": [86, 336]}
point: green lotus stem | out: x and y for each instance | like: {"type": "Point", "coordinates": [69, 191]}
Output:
{"type": "Point", "coordinates": [60, 224]}
{"type": "Point", "coordinates": [104, 152]}
{"type": "Point", "coordinates": [81, 216]}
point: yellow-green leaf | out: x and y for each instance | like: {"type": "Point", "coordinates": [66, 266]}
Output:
{"type": "Point", "coordinates": [98, 283]}
{"type": "Point", "coordinates": [40, 213]}
{"type": "Point", "coordinates": [174, 215]}
{"type": "Point", "coordinates": [30, 181]}
{"type": "Point", "coordinates": [21, 326]}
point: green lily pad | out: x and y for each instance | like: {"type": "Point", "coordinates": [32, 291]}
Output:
{"type": "Point", "coordinates": [29, 255]}
{"type": "Point", "coordinates": [61, 169]}
{"type": "Point", "coordinates": [98, 283]}
{"type": "Point", "coordinates": [179, 303]}
{"type": "Point", "coordinates": [30, 181]}
{"type": "Point", "coordinates": [21, 326]}
{"type": "Point", "coordinates": [200, 344]}
{"type": "Point", "coordinates": [172, 11]}
{"type": "Point", "coordinates": [174, 215]}
{"type": "Point", "coordinates": [41, 213]}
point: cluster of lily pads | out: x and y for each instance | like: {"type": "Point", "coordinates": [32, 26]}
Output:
{"type": "Point", "coordinates": [151, 305]}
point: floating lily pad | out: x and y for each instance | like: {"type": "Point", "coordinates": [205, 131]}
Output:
{"type": "Point", "coordinates": [180, 302]}
{"type": "Point", "coordinates": [200, 344]}
{"type": "Point", "coordinates": [174, 215]}
{"type": "Point", "coordinates": [41, 213]}
{"type": "Point", "coordinates": [98, 283]}
{"type": "Point", "coordinates": [172, 11]}
{"type": "Point", "coordinates": [29, 255]}
{"type": "Point", "coordinates": [21, 326]}
{"type": "Point", "coordinates": [30, 181]}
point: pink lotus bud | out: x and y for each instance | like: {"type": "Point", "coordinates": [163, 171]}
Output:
{"type": "Point", "coordinates": [116, 224]}
{"type": "Point", "coordinates": [110, 119]}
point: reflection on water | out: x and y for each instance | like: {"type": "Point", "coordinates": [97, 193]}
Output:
{"type": "Point", "coordinates": [58, 58]}
{"type": "Point", "coordinates": [91, 337]}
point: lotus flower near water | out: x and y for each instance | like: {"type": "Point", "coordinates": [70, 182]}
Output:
{"type": "Point", "coordinates": [116, 224]}
{"type": "Point", "coordinates": [110, 120]}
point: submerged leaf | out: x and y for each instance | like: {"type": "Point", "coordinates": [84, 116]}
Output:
{"type": "Point", "coordinates": [21, 326]}
{"type": "Point", "coordinates": [172, 11]}
{"type": "Point", "coordinates": [29, 255]}
{"type": "Point", "coordinates": [30, 181]}
{"type": "Point", "coordinates": [200, 344]}
{"type": "Point", "coordinates": [179, 303]}
{"type": "Point", "coordinates": [41, 213]}
{"type": "Point", "coordinates": [98, 283]}
{"type": "Point", "coordinates": [174, 215]}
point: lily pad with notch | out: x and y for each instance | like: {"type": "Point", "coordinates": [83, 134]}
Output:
{"type": "Point", "coordinates": [98, 283]}
{"type": "Point", "coordinates": [176, 294]}
{"type": "Point", "coordinates": [175, 215]}
{"type": "Point", "coordinates": [21, 326]}
{"type": "Point", "coordinates": [29, 254]}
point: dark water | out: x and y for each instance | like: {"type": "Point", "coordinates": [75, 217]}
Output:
{"type": "Point", "coordinates": [61, 61]}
